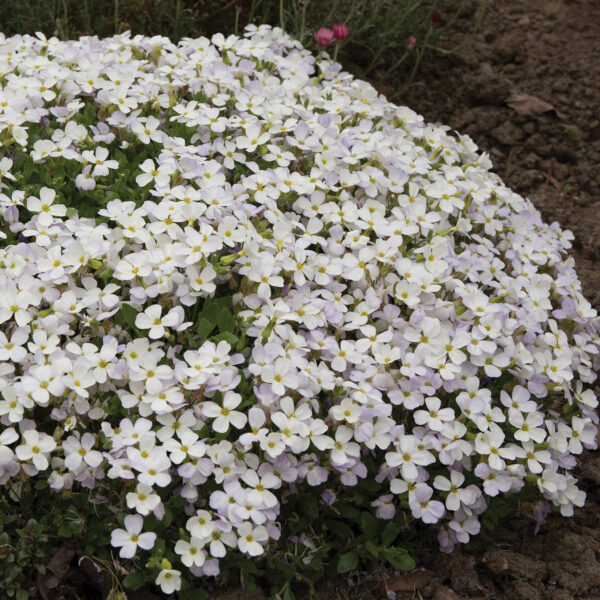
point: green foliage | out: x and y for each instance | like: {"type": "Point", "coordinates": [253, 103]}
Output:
{"type": "Point", "coordinates": [28, 546]}
{"type": "Point", "coordinates": [378, 45]}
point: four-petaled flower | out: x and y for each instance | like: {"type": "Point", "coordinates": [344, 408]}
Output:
{"type": "Point", "coordinates": [130, 538]}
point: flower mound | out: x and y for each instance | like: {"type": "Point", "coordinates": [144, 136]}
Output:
{"type": "Point", "coordinates": [231, 274]}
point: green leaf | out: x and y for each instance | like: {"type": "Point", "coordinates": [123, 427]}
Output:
{"type": "Point", "coordinates": [311, 507]}
{"type": "Point", "coordinates": [288, 594]}
{"type": "Point", "coordinates": [399, 558]}
{"type": "Point", "coordinates": [64, 531]}
{"type": "Point", "coordinates": [210, 311]}
{"type": "Point", "coordinates": [358, 498]}
{"type": "Point", "coordinates": [230, 338]}
{"type": "Point", "coordinates": [340, 529]}
{"type": "Point", "coordinates": [347, 562]}
{"type": "Point", "coordinates": [350, 512]}
{"type": "Point", "coordinates": [126, 315]}
{"type": "Point", "coordinates": [134, 581]}
{"type": "Point", "coordinates": [226, 321]}
{"type": "Point", "coordinates": [372, 549]}
{"type": "Point", "coordinates": [28, 168]}
{"type": "Point", "coordinates": [204, 327]}
{"type": "Point", "coordinates": [167, 518]}
{"type": "Point", "coordinates": [193, 594]}
{"type": "Point", "coordinates": [368, 524]}
{"type": "Point", "coordinates": [390, 532]}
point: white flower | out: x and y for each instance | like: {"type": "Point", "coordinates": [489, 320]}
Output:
{"type": "Point", "coordinates": [343, 447]}
{"type": "Point", "coordinates": [130, 538]}
{"type": "Point", "coordinates": [224, 415]}
{"type": "Point", "coordinates": [347, 411]}
{"type": "Point", "coordinates": [252, 139]}
{"type": "Point", "coordinates": [582, 432]}
{"type": "Point", "coordinates": [169, 580]}
{"type": "Point", "coordinates": [490, 444]}
{"type": "Point", "coordinates": [151, 319]}
{"type": "Point", "coordinates": [191, 552]}
{"type": "Point", "coordinates": [8, 436]}
{"type": "Point", "coordinates": [143, 500]}
{"type": "Point", "coordinates": [456, 495]}
{"type": "Point", "coordinates": [408, 456]}
{"type": "Point", "coordinates": [45, 203]}
{"type": "Point", "coordinates": [201, 525]}
{"type": "Point", "coordinates": [12, 349]}
{"type": "Point", "coordinates": [251, 539]}
{"type": "Point", "coordinates": [78, 451]}
{"type": "Point", "coordinates": [160, 175]}
{"type": "Point", "coordinates": [434, 416]}
{"type": "Point", "coordinates": [36, 447]}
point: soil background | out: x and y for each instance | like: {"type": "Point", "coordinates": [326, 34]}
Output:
{"type": "Point", "coordinates": [527, 90]}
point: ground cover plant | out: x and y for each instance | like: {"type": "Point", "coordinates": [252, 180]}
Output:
{"type": "Point", "coordinates": [257, 319]}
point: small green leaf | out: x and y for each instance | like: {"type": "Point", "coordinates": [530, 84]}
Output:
{"type": "Point", "coordinates": [210, 310]}
{"type": "Point", "coordinates": [399, 558]}
{"type": "Point", "coordinates": [350, 512]}
{"type": "Point", "coordinates": [340, 529]}
{"type": "Point", "coordinates": [126, 315]}
{"type": "Point", "coordinates": [347, 562]}
{"type": "Point", "coordinates": [230, 338]}
{"type": "Point", "coordinates": [389, 534]}
{"type": "Point", "coordinates": [372, 549]}
{"type": "Point", "coordinates": [193, 594]}
{"type": "Point", "coordinates": [311, 506]}
{"type": "Point", "coordinates": [226, 321]}
{"type": "Point", "coordinates": [64, 531]}
{"type": "Point", "coordinates": [134, 581]}
{"type": "Point", "coordinates": [204, 327]}
{"type": "Point", "coordinates": [28, 168]}
{"type": "Point", "coordinates": [368, 524]}
{"type": "Point", "coordinates": [288, 594]}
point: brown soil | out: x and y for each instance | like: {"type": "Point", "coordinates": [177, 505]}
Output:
{"type": "Point", "coordinates": [546, 145]}
{"type": "Point", "coordinates": [527, 90]}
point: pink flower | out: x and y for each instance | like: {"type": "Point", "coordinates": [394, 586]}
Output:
{"type": "Point", "coordinates": [340, 31]}
{"type": "Point", "coordinates": [412, 40]}
{"type": "Point", "coordinates": [324, 36]}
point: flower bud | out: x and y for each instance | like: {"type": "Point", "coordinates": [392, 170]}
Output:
{"type": "Point", "coordinates": [340, 31]}
{"type": "Point", "coordinates": [11, 214]}
{"type": "Point", "coordinates": [324, 36]}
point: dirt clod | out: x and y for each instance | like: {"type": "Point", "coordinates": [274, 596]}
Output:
{"type": "Point", "coordinates": [445, 593]}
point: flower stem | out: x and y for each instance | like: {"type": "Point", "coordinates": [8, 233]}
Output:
{"type": "Point", "coordinates": [116, 17]}
{"type": "Point", "coordinates": [303, 22]}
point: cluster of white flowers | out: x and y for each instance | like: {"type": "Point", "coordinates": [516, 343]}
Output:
{"type": "Point", "coordinates": [393, 299]}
